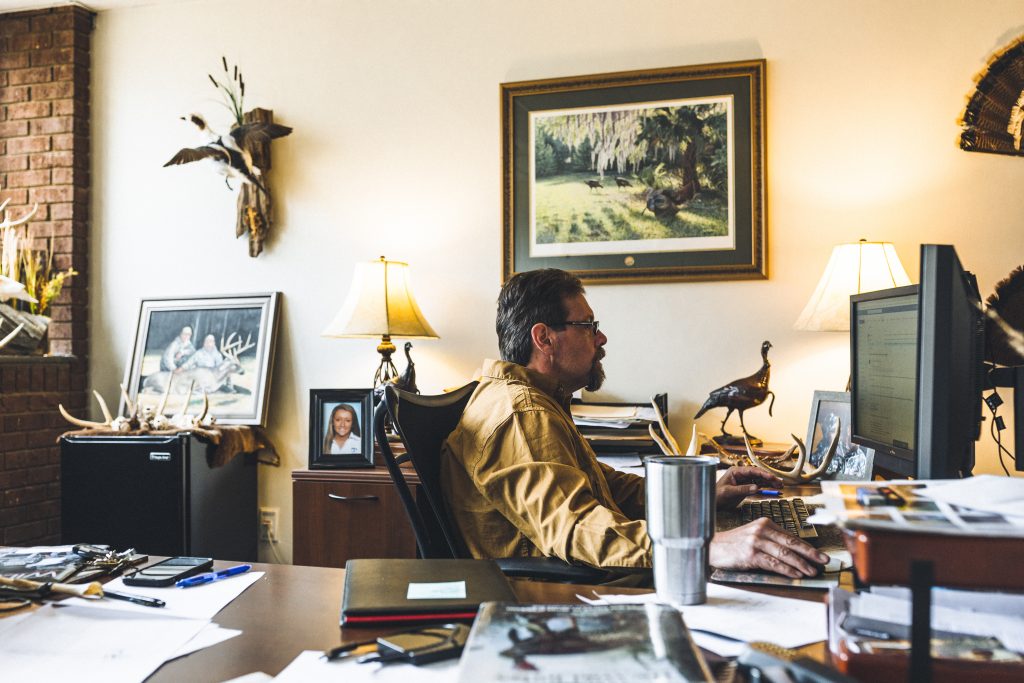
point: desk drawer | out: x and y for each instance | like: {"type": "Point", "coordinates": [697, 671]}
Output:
{"type": "Point", "coordinates": [337, 521]}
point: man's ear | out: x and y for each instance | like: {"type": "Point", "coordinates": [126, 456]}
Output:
{"type": "Point", "coordinates": [540, 334]}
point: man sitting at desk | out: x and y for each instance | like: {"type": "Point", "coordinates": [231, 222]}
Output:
{"type": "Point", "coordinates": [521, 481]}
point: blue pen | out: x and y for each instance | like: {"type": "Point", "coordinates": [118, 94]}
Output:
{"type": "Point", "coordinates": [213, 576]}
{"type": "Point", "coordinates": [769, 492]}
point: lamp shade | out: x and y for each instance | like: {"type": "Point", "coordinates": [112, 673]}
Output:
{"type": "Point", "coordinates": [380, 303]}
{"type": "Point", "coordinates": [852, 269]}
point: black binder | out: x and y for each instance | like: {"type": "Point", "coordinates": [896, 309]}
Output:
{"type": "Point", "coordinates": [376, 590]}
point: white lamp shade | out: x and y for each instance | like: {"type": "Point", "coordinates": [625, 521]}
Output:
{"type": "Point", "coordinates": [380, 302]}
{"type": "Point", "coordinates": [852, 269]}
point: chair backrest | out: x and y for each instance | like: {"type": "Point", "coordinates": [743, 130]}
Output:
{"type": "Point", "coordinates": [423, 423]}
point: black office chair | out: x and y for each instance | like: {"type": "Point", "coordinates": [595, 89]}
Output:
{"type": "Point", "coordinates": [423, 423]}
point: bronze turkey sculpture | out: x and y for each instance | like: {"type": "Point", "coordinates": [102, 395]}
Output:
{"type": "Point", "coordinates": [407, 381]}
{"type": "Point", "coordinates": [739, 395]}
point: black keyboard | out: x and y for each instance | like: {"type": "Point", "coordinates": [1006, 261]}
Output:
{"type": "Point", "coordinates": [789, 513]}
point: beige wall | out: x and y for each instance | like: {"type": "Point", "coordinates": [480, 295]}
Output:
{"type": "Point", "coordinates": [395, 151]}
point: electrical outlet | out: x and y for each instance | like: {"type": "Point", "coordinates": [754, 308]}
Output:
{"type": "Point", "coordinates": [268, 525]}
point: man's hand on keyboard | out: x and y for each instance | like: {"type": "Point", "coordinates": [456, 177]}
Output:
{"type": "Point", "coordinates": [763, 545]}
{"type": "Point", "coordinates": [739, 482]}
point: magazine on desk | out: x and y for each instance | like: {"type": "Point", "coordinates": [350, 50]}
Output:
{"type": "Point", "coordinates": [39, 563]}
{"type": "Point", "coordinates": [907, 508]}
{"type": "Point", "coordinates": [571, 643]}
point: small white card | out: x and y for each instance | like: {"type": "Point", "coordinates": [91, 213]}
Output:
{"type": "Point", "coordinates": [442, 590]}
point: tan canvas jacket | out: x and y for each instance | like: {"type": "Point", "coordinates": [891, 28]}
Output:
{"type": "Point", "coordinates": [521, 481]}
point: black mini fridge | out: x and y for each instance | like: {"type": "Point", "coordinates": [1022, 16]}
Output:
{"type": "Point", "coordinates": [159, 495]}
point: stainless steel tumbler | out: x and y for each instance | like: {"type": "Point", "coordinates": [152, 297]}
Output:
{"type": "Point", "coordinates": [681, 522]}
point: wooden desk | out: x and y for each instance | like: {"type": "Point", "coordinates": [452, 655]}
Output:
{"type": "Point", "coordinates": [295, 608]}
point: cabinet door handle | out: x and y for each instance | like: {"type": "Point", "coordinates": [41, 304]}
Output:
{"type": "Point", "coordinates": [351, 498]}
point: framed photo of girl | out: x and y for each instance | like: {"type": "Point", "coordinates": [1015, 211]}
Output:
{"type": "Point", "coordinates": [340, 428]}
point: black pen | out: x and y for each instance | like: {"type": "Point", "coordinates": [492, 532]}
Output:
{"type": "Point", "coordinates": [137, 599]}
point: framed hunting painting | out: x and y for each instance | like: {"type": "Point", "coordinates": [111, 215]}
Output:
{"type": "Point", "coordinates": [637, 176]}
{"type": "Point", "coordinates": [220, 346]}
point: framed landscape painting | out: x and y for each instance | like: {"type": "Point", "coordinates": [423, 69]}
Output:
{"type": "Point", "coordinates": [220, 345]}
{"type": "Point", "coordinates": [637, 176]}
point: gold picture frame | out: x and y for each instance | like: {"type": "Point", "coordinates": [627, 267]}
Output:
{"type": "Point", "coordinates": [584, 159]}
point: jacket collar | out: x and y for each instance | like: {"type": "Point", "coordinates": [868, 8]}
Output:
{"type": "Point", "coordinates": [505, 370]}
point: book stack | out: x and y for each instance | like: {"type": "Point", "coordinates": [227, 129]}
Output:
{"type": "Point", "coordinates": [619, 429]}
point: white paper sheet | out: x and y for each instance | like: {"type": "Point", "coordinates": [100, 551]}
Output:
{"type": "Point", "coordinates": [211, 635]}
{"type": "Point", "coordinates": [1010, 630]}
{"type": "Point", "coordinates": [311, 667]}
{"type": "Point", "coordinates": [744, 615]}
{"type": "Point", "coordinates": [987, 492]}
{"type": "Point", "coordinates": [198, 602]}
{"type": "Point", "coordinates": [86, 645]}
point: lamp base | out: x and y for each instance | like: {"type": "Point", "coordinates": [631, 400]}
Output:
{"type": "Point", "coordinates": [386, 371]}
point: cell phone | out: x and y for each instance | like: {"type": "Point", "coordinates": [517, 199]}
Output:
{"type": "Point", "coordinates": [168, 572]}
{"type": "Point", "coordinates": [424, 645]}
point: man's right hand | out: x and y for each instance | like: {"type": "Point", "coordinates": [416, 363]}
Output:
{"type": "Point", "coordinates": [761, 544]}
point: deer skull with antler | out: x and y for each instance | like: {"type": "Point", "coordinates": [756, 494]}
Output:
{"type": "Point", "coordinates": [9, 287]}
{"type": "Point", "coordinates": [144, 419]}
{"type": "Point", "coordinates": [796, 475]}
{"type": "Point", "coordinates": [117, 424]}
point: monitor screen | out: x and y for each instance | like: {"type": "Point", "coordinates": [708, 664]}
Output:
{"type": "Point", "coordinates": [883, 380]}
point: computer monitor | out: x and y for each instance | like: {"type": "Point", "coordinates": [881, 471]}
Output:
{"type": "Point", "coordinates": [918, 371]}
{"type": "Point", "coordinates": [951, 365]}
{"type": "Point", "coordinates": [883, 376]}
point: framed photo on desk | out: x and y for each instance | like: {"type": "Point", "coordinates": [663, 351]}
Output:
{"type": "Point", "coordinates": [340, 428]}
{"type": "Point", "coordinates": [830, 410]}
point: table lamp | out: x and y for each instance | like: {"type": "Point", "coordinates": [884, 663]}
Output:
{"type": "Point", "coordinates": [380, 304]}
{"type": "Point", "coordinates": [852, 269]}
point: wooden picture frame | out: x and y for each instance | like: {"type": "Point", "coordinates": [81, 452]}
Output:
{"type": "Point", "coordinates": [357, 406]}
{"type": "Point", "coordinates": [225, 343]}
{"type": "Point", "coordinates": [851, 462]}
{"type": "Point", "coordinates": [637, 176]}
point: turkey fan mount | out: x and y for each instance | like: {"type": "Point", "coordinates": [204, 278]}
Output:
{"type": "Point", "coordinates": [994, 116]}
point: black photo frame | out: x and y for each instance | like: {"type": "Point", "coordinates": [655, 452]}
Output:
{"type": "Point", "coordinates": [590, 185]}
{"type": "Point", "coordinates": [322, 406]}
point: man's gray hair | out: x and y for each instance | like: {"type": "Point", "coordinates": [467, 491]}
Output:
{"type": "Point", "coordinates": [536, 296]}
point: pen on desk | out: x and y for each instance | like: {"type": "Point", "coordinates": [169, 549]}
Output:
{"type": "Point", "coordinates": [355, 649]}
{"type": "Point", "coordinates": [137, 599]}
{"type": "Point", "coordinates": [213, 576]}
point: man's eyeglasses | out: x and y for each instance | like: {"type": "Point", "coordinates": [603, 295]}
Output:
{"type": "Point", "coordinates": [592, 324]}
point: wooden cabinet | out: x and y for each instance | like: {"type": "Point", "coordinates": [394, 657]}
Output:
{"type": "Point", "coordinates": [345, 514]}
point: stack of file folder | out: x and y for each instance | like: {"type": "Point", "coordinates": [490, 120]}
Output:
{"type": "Point", "coordinates": [619, 428]}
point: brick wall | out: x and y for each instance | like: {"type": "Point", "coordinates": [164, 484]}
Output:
{"type": "Point", "coordinates": [44, 159]}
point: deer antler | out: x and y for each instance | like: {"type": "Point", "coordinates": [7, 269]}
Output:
{"type": "Point", "coordinates": [233, 348]}
{"type": "Point", "coordinates": [665, 448]}
{"type": "Point", "coordinates": [7, 340]}
{"type": "Point", "coordinates": [796, 475]}
{"type": "Point", "coordinates": [206, 408]}
{"type": "Point", "coordinates": [670, 441]}
{"type": "Point", "coordinates": [7, 222]}
{"type": "Point", "coordinates": [87, 423]}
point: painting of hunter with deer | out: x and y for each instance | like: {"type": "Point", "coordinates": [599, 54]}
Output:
{"type": "Point", "coordinates": [217, 347]}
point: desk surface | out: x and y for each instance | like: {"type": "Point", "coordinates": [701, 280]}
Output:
{"type": "Point", "coordinates": [296, 608]}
